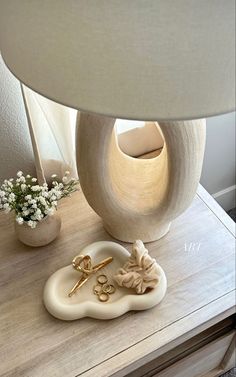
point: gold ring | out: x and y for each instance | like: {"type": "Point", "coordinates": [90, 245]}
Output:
{"type": "Point", "coordinates": [103, 296]}
{"type": "Point", "coordinates": [106, 288]}
{"type": "Point", "coordinates": [97, 289]}
{"type": "Point", "coordinates": [112, 289]}
{"type": "Point", "coordinates": [102, 279]}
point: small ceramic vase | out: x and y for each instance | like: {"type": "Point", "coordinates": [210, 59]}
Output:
{"type": "Point", "coordinates": [45, 232]}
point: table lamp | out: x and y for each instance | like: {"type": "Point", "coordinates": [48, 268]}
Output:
{"type": "Point", "coordinates": [165, 61]}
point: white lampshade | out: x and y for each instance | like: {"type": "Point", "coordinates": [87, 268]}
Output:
{"type": "Point", "coordinates": [134, 59]}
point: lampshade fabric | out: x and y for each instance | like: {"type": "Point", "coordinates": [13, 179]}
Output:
{"type": "Point", "coordinates": [134, 59]}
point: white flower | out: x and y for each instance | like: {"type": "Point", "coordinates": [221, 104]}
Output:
{"type": "Point", "coordinates": [39, 217]}
{"type": "Point", "coordinates": [42, 200]}
{"type": "Point", "coordinates": [35, 188]}
{"type": "Point", "coordinates": [22, 179]}
{"type": "Point", "coordinates": [49, 211]}
{"type": "Point", "coordinates": [31, 224]}
{"type": "Point", "coordinates": [19, 220]}
{"type": "Point", "coordinates": [6, 207]}
{"type": "Point", "coordinates": [23, 186]}
{"type": "Point", "coordinates": [58, 195]}
{"type": "Point", "coordinates": [11, 197]}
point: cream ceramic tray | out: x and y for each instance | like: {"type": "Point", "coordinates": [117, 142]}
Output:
{"type": "Point", "coordinates": [84, 303]}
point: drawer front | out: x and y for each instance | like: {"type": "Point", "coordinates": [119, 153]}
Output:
{"type": "Point", "coordinates": [199, 362]}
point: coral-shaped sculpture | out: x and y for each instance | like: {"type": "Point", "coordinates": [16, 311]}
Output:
{"type": "Point", "coordinates": [140, 272]}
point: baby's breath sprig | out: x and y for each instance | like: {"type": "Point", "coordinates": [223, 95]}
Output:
{"type": "Point", "coordinates": [31, 201]}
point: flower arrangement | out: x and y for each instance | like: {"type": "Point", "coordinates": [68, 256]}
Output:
{"type": "Point", "coordinates": [32, 202]}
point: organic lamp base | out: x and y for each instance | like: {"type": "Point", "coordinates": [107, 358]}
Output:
{"type": "Point", "coordinates": [138, 198]}
{"type": "Point", "coordinates": [132, 233]}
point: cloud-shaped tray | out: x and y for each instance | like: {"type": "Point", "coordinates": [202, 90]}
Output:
{"type": "Point", "coordinates": [84, 303]}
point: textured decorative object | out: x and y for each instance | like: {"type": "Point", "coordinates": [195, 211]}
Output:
{"type": "Point", "coordinates": [158, 60]}
{"type": "Point", "coordinates": [141, 272]}
{"type": "Point", "coordinates": [84, 303]}
{"type": "Point", "coordinates": [138, 198]}
{"type": "Point", "coordinates": [46, 231]}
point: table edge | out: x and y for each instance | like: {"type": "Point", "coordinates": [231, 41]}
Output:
{"type": "Point", "coordinates": [165, 339]}
{"type": "Point", "coordinates": [218, 211]}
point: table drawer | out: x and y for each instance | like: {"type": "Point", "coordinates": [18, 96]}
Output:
{"type": "Point", "coordinates": [207, 359]}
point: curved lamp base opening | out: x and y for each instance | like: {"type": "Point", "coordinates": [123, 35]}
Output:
{"type": "Point", "coordinates": [138, 198]}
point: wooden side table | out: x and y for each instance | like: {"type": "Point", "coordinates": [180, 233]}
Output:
{"type": "Point", "coordinates": [190, 334]}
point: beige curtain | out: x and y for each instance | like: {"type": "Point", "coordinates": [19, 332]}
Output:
{"type": "Point", "coordinates": [52, 131]}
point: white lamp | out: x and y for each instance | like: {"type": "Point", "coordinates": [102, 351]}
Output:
{"type": "Point", "coordinates": [155, 60]}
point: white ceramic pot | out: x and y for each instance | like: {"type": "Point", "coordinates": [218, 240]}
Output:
{"type": "Point", "coordinates": [45, 232]}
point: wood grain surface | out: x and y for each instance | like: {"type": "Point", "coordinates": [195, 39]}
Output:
{"type": "Point", "coordinates": [198, 256]}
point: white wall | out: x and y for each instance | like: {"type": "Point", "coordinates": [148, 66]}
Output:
{"type": "Point", "coordinates": [218, 173]}
{"type": "Point", "coordinates": [15, 146]}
